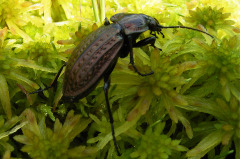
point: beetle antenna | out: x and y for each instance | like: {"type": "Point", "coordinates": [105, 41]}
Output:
{"type": "Point", "coordinates": [185, 27]}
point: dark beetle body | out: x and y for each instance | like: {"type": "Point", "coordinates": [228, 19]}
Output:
{"type": "Point", "coordinates": [97, 54]}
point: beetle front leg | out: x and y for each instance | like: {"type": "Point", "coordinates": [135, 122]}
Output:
{"type": "Point", "coordinates": [132, 60]}
{"type": "Point", "coordinates": [106, 88]}
{"type": "Point", "coordinates": [149, 40]}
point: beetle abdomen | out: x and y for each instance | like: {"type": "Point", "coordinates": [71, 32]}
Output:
{"type": "Point", "coordinates": [90, 60]}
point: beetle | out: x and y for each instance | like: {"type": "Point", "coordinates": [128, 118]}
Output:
{"type": "Point", "coordinates": [96, 56]}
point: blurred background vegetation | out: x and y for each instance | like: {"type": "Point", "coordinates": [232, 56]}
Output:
{"type": "Point", "coordinates": [189, 107]}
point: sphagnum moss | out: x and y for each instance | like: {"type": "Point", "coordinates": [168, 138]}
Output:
{"type": "Point", "coordinates": [193, 74]}
{"type": "Point", "coordinates": [154, 144]}
{"type": "Point", "coordinates": [213, 19]}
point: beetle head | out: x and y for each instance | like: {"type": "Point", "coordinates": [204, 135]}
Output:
{"type": "Point", "coordinates": [135, 24]}
{"type": "Point", "coordinates": [154, 25]}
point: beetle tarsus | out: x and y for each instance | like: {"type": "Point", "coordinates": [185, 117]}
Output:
{"type": "Point", "coordinates": [162, 34]}
{"type": "Point", "coordinates": [106, 88]}
{"type": "Point", "coordinates": [40, 90]}
{"type": "Point", "coordinates": [141, 74]}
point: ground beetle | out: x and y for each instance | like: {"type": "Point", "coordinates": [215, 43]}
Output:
{"type": "Point", "coordinates": [96, 55]}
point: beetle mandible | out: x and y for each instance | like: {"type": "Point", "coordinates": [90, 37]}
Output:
{"type": "Point", "coordinates": [96, 56]}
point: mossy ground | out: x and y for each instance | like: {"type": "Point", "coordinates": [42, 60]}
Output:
{"type": "Point", "coordinates": [189, 107]}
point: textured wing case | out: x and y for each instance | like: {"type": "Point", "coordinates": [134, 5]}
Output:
{"type": "Point", "coordinates": [90, 60]}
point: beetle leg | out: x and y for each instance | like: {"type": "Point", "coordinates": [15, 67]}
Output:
{"type": "Point", "coordinates": [53, 84]}
{"type": "Point", "coordinates": [150, 40]}
{"type": "Point", "coordinates": [132, 60]}
{"type": "Point", "coordinates": [162, 34]}
{"type": "Point", "coordinates": [154, 34]}
{"type": "Point", "coordinates": [106, 21]}
{"type": "Point", "coordinates": [106, 88]}
{"type": "Point", "coordinates": [159, 31]}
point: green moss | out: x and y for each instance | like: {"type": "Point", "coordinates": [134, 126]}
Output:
{"type": "Point", "coordinates": [194, 91]}
{"type": "Point", "coordinates": [153, 145]}
{"type": "Point", "coordinates": [41, 142]}
{"type": "Point", "coordinates": [212, 18]}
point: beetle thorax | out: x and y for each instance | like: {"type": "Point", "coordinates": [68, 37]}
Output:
{"type": "Point", "coordinates": [133, 24]}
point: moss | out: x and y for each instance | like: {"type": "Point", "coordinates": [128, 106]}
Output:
{"type": "Point", "coordinates": [189, 107]}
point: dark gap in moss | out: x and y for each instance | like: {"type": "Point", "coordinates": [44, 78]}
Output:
{"type": "Point", "coordinates": [17, 146]}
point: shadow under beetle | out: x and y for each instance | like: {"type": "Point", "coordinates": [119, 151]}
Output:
{"type": "Point", "coordinates": [96, 56]}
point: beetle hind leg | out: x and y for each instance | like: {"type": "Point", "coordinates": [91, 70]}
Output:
{"type": "Point", "coordinates": [106, 88]}
{"type": "Point", "coordinates": [53, 84]}
{"type": "Point", "coordinates": [141, 74]}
